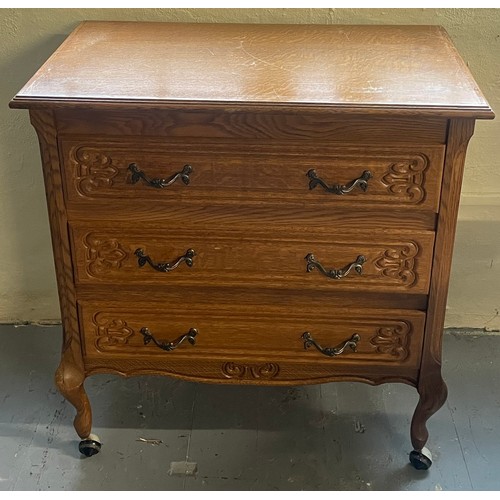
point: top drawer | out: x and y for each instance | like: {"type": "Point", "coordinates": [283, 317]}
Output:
{"type": "Point", "coordinates": [158, 171]}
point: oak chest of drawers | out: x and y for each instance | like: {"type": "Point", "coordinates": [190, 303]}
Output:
{"type": "Point", "coordinates": [254, 204]}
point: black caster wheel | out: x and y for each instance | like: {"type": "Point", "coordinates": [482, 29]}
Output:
{"type": "Point", "coordinates": [421, 460]}
{"type": "Point", "coordinates": [90, 446]}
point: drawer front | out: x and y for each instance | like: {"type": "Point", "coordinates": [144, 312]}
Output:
{"type": "Point", "coordinates": [373, 261]}
{"type": "Point", "coordinates": [230, 331]}
{"type": "Point", "coordinates": [123, 172]}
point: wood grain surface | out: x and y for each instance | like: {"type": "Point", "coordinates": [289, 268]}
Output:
{"type": "Point", "coordinates": [386, 336]}
{"type": "Point", "coordinates": [70, 373]}
{"type": "Point", "coordinates": [259, 173]}
{"type": "Point", "coordinates": [285, 297]}
{"type": "Point", "coordinates": [235, 344]}
{"type": "Point", "coordinates": [395, 262]}
{"type": "Point", "coordinates": [431, 386]}
{"type": "Point", "coordinates": [247, 217]}
{"type": "Point", "coordinates": [246, 371]}
{"type": "Point", "coordinates": [367, 68]}
{"type": "Point", "coordinates": [252, 125]}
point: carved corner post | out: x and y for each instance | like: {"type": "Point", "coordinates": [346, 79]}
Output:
{"type": "Point", "coordinates": [70, 374]}
{"type": "Point", "coordinates": [431, 386]}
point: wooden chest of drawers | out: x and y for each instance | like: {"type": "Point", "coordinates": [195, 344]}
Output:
{"type": "Point", "coordinates": [254, 204]}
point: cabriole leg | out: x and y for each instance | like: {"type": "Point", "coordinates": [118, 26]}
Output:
{"type": "Point", "coordinates": [433, 393]}
{"type": "Point", "coordinates": [69, 380]}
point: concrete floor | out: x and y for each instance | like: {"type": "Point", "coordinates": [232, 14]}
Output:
{"type": "Point", "coordinates": [345, 436]}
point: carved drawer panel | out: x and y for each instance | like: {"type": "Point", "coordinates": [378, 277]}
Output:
{"type": "Point", "coordinates": [373, 261]}
{"type": "Point", "coordinates": [221, 172]}
{"type": "Point", "coordinates": [223, 331]}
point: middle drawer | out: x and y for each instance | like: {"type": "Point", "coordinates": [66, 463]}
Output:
{"type": "Point", "coordinates": [389, 261]}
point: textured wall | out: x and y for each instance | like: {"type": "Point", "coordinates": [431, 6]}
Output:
{"type": "Point", "coordinates": [29, 36]}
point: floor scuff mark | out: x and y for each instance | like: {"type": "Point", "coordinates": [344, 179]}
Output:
{"type": "Point", "coordinates": [183, 468]}
{"type": "Point", "coordinates": [359, 427]}
{"type": "Point", "coordinates": [154, 442]}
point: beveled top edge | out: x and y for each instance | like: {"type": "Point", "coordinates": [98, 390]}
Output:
{"type": "Point", "coordinates": [336, 87]}
{"type": "Point", "coordinates": [452, 112]}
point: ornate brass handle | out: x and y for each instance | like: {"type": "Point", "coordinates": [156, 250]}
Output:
{"type": "Point", "coordinates": [361, 181]}
{"type": "Point", "coordinates": [331, 351]}
{"type": "Point", "coordinates": [335, 274]}
{"type": "Point", "coordinates": [165, 267]}
{"type": "Point", "coordinates": [138, 174]}
{"type": "Point", "coordinates": [169, 346]}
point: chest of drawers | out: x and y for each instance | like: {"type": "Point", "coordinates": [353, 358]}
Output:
{"type": "Point", "coordinates": [254, 204]}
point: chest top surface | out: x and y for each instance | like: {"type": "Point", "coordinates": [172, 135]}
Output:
{"type": "Point", "coordinates": [397, 69]}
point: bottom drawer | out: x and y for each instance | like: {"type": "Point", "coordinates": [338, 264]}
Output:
{"type": "Point", "coordinates": [244, 343]}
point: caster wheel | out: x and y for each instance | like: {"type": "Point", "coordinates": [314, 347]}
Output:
{"type": "Point", "coordinates": [421, 460]}
{"type": "Point", "coordinates": [90, 446]}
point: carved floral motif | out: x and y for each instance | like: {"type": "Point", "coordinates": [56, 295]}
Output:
{"type": "Point", "coordinates": [111, 332]}
{"type": "Point", "coordinates": [406, 178]}
{"type": "Point", "coordinates": [103, 255]}
{"type": "Point", "coordinates": [95, 170]}
{"type": "Point", "coordinates": [398, 263]}
{"type": "Point", "coordinates": [242, 371]}
{"type": "Point", "coordinates": [393, 340]}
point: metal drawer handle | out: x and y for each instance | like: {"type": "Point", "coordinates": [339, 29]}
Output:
{"type": "Point", "coordinates": [165, 267]}
{"type": "Point", "coordinates": [362, 182]}
{"type": "Point", "coordinates": [331, 351]}
{"type": "Point", "coordinates": [169, 346]}
{"type": "Point", "coordinates": [138, 174]}
{"type": "Point", "coordinates": [335, 274]}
